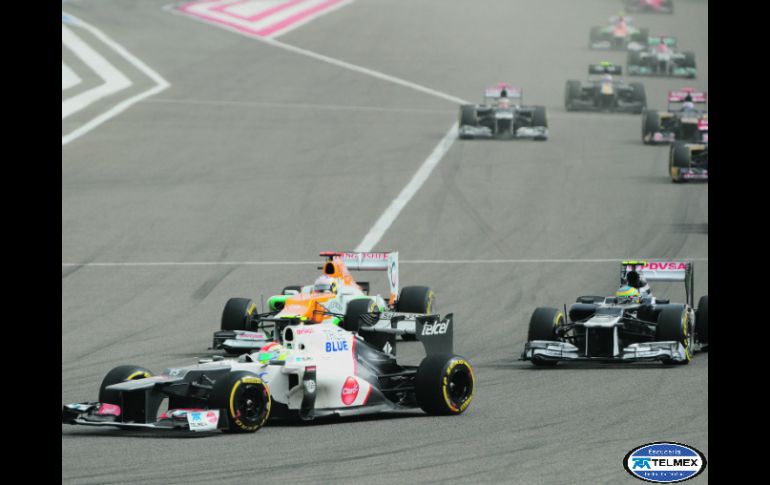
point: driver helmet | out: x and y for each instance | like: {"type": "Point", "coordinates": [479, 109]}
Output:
{"type": "Point", "coordinates": [271, 351]}
{"type": "Point", "coordinates": [688, 106]}
{"type": "Point", "coordinates": [325, 284]}
{"type": "Point", "coordinates": [504, 102]}
{"type": "Point", "coordinates": [627, 292]}
{"type": "Point", "coordinates": [607, 78]}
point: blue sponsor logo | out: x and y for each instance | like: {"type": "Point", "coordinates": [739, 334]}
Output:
{"type": "Point", "coordinates": [664, 462]}
{"type": "Point", "coordinates": [337, 346]}
{"type": "Point", "coordinates": [196, 416]}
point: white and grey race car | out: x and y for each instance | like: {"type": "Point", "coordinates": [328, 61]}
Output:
{"type": "Point", "coordinates": [309, 371]}
{"type": "Point", "coordinates": [613, 329]}
{"type": "Point", "coordinates": [503, 116]}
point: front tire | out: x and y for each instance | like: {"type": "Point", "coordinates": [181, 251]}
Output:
{"type": "Point", "coordinates": [444, 384]}
{"type": "Point", "coordinates": [237, 313]}
{"type": "Point", "coordinates": [572, 92]}
{"type": "Point", "coordinates": [117, 375]}
{"type": "Point", "coordinates": [415, 299]}
{"type": "Point", "coordinates": [679, 158]}
{"type": "Point", "coordinates": [543, 326]}
{"type": "Point", "coordinates": [650, 125]}
{"type": "Point", "coordinates": [244, 399]}
{"type": "Point", "coordinates": [674, 324]}
{"type": "Point", "coordinates": [702, 321]}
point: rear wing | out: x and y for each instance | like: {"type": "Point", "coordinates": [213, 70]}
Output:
{"type": "Point", "coordinates": [671, 271]}
{"type": "Point", "coordinates": [668, 41]}
{"type": "Point", "coordinates": [510, 91]}
{"type": "Point", "coordinates": [687, 94]}
{"type": "Point", "coordinates": [381, 261]}
{"type": "Point", "coordinates": [605, 68]}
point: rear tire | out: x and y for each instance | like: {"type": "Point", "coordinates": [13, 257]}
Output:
{"type": "Point", "coordinates": [689, 60]}
{"type": "Point", "coordinates": [572, 93]}
{"type": "Point", "coordinates": [243, 399]}
{"type": "Point", "coordinates": [702, 321]}
{"type": "Point", "coordinates": [542, 326]}
{"type": "Point", "coordinates": [640, 96]}
{"type": "Point", "coordinates": [415, 299]}
{"type": "Point", "coordinates": [117, 375]}
{"type": "Point", "coordinates": [444, 384]}
{"type": "Point", "coordinates": [237, 313]}
{"type": "Point", "coordinates": [353, 312]}
{"type": "Point", "coordinates": [650, 124]}
{"type": "Point", "coordinates": [673, 324]}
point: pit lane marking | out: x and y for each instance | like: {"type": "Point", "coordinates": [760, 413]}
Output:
{"type": "Point", "coordinates": [414, 261]}
{"type": "Point", "coordinates": [160, 83]}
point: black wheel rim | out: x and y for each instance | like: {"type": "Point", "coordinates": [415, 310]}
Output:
{"type": "Point", "coordinates": [460, 385]}
{"type": "Point", "coordinates": [252, 404]}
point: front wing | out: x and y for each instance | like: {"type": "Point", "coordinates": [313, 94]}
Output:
{"type": "Point", "coordinates": [98, 414]}
{"type": "Point", "coordinates": [544, 350]}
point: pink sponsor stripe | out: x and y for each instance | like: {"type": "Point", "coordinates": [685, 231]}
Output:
{"type": "Point", "coordinates": [260, 15]}
{"type": "Point", "coordinates": [296, 18]}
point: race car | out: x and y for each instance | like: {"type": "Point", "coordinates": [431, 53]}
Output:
{"type": "Point", "coordinates": [335, 297]}
{"type": "Point", "coordinates": [654, 6]}
{"type": "Point", "coordinates": [686, 119]}
{"type": "Point", "coordinates": [502, 116]}
{"type": "Point", "coordinates": [631, 325]}
{"type": "Point", "coordinates": [618, 35]}
{"type": "Point", "coordinates": [602, 92]}
{"type": "Point", "coordinates": [661, 58]}
{"type": "Point", "coordinates": [688, 161]}
{"type": "Point", "coordinates": [309, 371]}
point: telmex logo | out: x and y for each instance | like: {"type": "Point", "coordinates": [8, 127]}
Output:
{"type": "Point", "coordinates": [664, 462]}
{"type": "Point", "coordinates": [668, 266]}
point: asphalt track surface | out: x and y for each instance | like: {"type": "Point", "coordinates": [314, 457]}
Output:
{"type": "Point", "coordinates": [259, 154]}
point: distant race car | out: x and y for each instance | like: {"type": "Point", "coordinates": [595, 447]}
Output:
{"type": "Point", "coordinates": [654, 6]}
{"type": "Point", "coordinates": [311, 370]}
{"type": "Point", "coordinates": [631, 325]}
{"type": "Point", "coordinates": [689, 161]}
{"type": "Point", "coordinates": [503, 116]}
{"type": "Point", "coordinates": [602, 92]}
{"type": "Point", "coordinates": [661, 58]}
{"type": "Point", "coordinates": [686, 119]}
{"type": "Point", "coordinates": [618, 35]}
{"type": "Point", "coordinates": [335, 297]}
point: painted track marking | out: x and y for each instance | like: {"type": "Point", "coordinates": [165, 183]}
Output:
{"type": "Point", "coordinates": [68, 77]}
{"type": "Point", "coordinates": [160, 83]}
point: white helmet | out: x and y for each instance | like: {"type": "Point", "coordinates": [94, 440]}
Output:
{"type": "Point", "coordinates": [325, 284]}
{"type": "Point", "coordinates": [688, 106]}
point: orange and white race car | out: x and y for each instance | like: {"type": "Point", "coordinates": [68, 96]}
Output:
{"type": "Point", "coordinates": [335, 297]}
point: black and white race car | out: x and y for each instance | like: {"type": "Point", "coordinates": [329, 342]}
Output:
{"type": "Point", "coordinates": [502, 116]}
{"type": "Point", "coordinates": [309, 371]}
{"type": "Point", "coordinates": [624, 329]}
{"type": "Point", "coordinates": [603, 92]}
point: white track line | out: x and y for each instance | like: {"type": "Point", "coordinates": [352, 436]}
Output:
{"type": "Point", "coordinates": [249, 104]}
{"type": "Point", "coordinates": [161, 83]}
{"type": "Point", "coordinates": [415, 261]}
{"type": "Point", "coordinates": [114, 80]}
{"type": "Point", "coordinates": [394, 209]}
{"type": "Point", "coordinates": [68, 77]}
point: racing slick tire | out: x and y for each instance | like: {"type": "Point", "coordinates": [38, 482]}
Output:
{"type": "Point", "coordinates": [237, 313]}
{"type": "Point", "coordinates": [650, 124]}
{"type": "Point", "coordinates": [634, 59]}
{"type": "Point", "coordinates": [297, 288]}
{"type": "Point", "coordinates": [674, 324]}
{"type": "Point", "coordinates": [643, 35]}
{"type": "Point", "coordinates": [640, 96]}
{"type": "Point", "coordinates": [444, 384]}
{"type": "Point", "coordinates": [468, 117]}
{"type": "Point", "coordinates": [119, 374]}
{"type": "Point", "coordinates": [542, 326]}
{"type": "Point", "coordinates": [539, 118]}
{"type": "Point", "coordinates": [353, 313]}
{"type": "Point", "coordinates": [702, 321]}
{"type": "Point", "coordinates": [678, 158]}
{"type": "Point", "coordinates": [594, 36]}
{"type": "Point", "coordinates": [243, 399]}
{"type": "Point", "coordinates": [415, 299]}
{"type": "Point", "coordinates": [572, 92]}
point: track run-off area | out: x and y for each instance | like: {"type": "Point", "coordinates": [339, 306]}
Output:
{"type": "Point", "coordinates": [211, 161]}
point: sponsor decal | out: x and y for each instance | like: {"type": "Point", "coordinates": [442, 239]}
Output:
{"type": "Point", "coordinates": [337, 346]}
{"type": "Point", "coordinates": [304, 330]}
{"type": "Point", "coordinates": [664, 462]}
{"type": "Point", "coordinates": [250, 336]}
{"type": "Point", "coordinates": [203, 420]}
{"type": "Point", "coordinates": [666, 266]}
{"type": "Point", "coordinates": [349, 391]}
{"type": "Point", "coordinates": [108, 410]}
{"type": "Point", "coordinates": [438, 328]}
